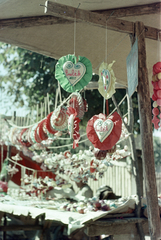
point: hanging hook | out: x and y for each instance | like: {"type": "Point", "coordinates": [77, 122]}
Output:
{"type": "Point", "coordinates": [77, 7]}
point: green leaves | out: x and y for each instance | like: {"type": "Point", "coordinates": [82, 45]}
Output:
{"type": "Point", "coordinates": [28, 74]}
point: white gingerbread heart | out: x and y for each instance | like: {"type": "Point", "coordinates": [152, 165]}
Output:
{"type": "Point", "coordinates": [106, 79]}
{"type": "Point", "coordinates": [74, 72]}
{"type": "Point", "coordinates": [103, 128]}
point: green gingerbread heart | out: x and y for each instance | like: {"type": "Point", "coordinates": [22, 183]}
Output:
{"type": "Point", "coordinates": [73, 75]}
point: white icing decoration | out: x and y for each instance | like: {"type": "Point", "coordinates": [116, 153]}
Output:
{"type": "Point", "coordinates": [106, 79]}
{"type": "Point", "coordinates": [74, 72]}
{"type": "Point", "coordinates": [103, 128]}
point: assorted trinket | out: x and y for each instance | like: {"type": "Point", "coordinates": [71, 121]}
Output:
{"type": "Point", "coordinates": [156, 97]}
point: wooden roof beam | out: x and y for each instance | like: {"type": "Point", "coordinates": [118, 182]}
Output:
{"type": "Point", "coordinates": [100, 20]}
{"type": "Point", "coordinates": [32, 21]}
{"type": "Point", "coordinates": [154, 8]}
{"type": "Point", "coordinates": [70, 13]}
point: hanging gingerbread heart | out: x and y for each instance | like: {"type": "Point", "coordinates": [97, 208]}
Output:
{"type": "Point", "coordinates": [102, 132]}
{"type": "Point", "coordinates": [48, 125]}
{"type": "Point", "coordinates": [73, 75]}
{"type": "Point", "coordinates": [42, 131]}
{"type": "Point", "coordinates": [77, 103]}
{"type": "Point", "coordinates": [23, 137]}
{"type": "Point", "coordinates": [59, 119]}
{"type": "Point", "coordinates": [36, 134]}
{"type": "Point", "coordinates": [73, 126]}
{"type": "Point", "coordinates": [106, 83]}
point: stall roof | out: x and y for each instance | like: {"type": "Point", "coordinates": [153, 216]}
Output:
{"type": "Point", "coordinates": [25, 24]}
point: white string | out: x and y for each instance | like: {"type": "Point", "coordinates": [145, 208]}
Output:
{"type": "Point", "coordinates": [75, 28]}
{"type": "Point", "coordinates": [67, 144]}
{"type": "Point", "coordinates": [106, 44]}
{"type": "Point", "coordinates": [30, 169]}
{"type": "Point", "coordinates": [48, 101]}
{"type": "Point", "coordinates": [19, 127]}
{"type": "Point", "coordinates": [118, 105]}
{"type": "Point", "coordinates": [16, 163]}
{"type": "Point", "coordinates": [60, 98]}
{"type": "Point", "coordinates": [37, 113]}
{"type": "Point", "coordinates": [104, 100]}
{"type": "Point", "coordinates": [104, 104]}
{"type": "Point", "coordinates": [74, 32]}
{"type": "Point", "coordinates": [56, 98]}
{"type": "Point", "coordinates": [112, 50]}
{"type": "Point", "coordinates": [158, 48]}
{"type": "Point", "coordinates": [1, 156]}
{"type": "Point", "coordinates": [70, 138]}
{"type": "Point", "coordinates": [45, 102]}
{"type": "Point", "coordinates": [124, 138]}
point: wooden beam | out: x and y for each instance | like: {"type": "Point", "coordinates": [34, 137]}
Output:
{"type": "Point", "coordinates": [146, 9]}
{"type": "Point", "coordinates": [70, 13]}
{"type": "Point", "coordinates": [100, 20]}
{"type": "Point", "coordinates": [15, 227]}
{"type": "Point", "coordinates": [94, 85]}
{"type": "Point", "coordinates": [31, 22]}
{"type": "Point", "coordinates": [117, 24]}
{"type": "Point", "coordinates": [117, 227]}
{"type": "Point", "coordinates": [146, 135]}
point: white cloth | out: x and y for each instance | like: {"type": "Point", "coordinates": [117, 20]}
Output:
{"type": "Point", "coordinates": [84, 192]}
{"type": "Point", "coordinates": [61, 193]}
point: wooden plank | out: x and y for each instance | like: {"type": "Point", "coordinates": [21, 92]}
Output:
{"type": "Point", "coordinates": [117, 227]}
{"type": "Point", "coordinates": [20, 227]}
{"type": "Point", "coordinates": [26, 22]}
{"type": "Point", "coordinates": [152, 33]}
{"type": "Point", "coordinates": [70, 13]}
{"type": "Point", "coordinates": [117, 24]}
{"type": "Point", "coordinates": [123, 181]}
{"type": "Point", "coordinates": [119, 215]}
{"type": "Point", "coordinates": [100, 20]}
{"type": "Point", "coordinates": [146, 9]}
{"type": "Point", "coordinates": [146, 135]}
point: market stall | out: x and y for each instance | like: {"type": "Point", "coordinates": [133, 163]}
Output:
{"type": "Point", "coordinates": [64, 21]}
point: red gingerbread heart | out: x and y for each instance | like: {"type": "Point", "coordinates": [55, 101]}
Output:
{"type": "Point", "coordinates": [102, 132]}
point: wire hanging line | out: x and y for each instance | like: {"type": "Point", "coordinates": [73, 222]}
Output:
{"type": "Point", "coordinates": [22, 127]}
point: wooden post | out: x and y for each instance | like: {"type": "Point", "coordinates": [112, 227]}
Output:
{"type": "Point", "coordinates": [129, 127]}
{"type": "Point", "coordinates": [145, 113]}
{"type": "Point", "coordinates": [5, 224]}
